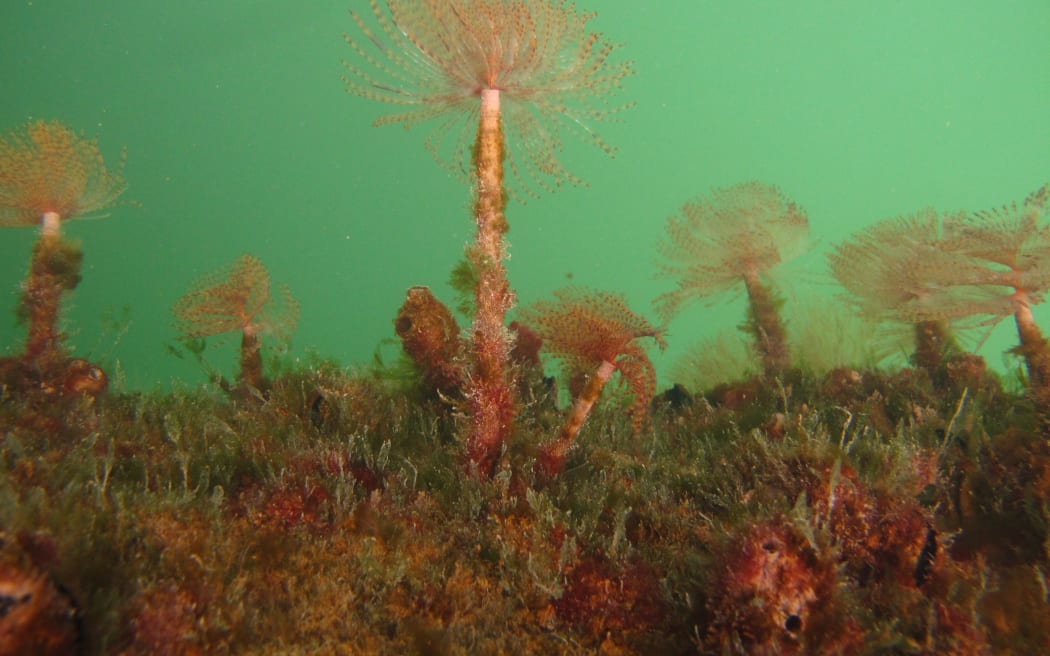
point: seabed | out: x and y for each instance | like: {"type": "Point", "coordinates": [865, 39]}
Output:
{"type": "Point", "coordinates": [853, 512]}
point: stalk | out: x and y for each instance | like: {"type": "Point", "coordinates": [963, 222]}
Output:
{"type": "Point", "coordinates": [489, 392]}
{"type": "Point", "coordinates": [552, 457]}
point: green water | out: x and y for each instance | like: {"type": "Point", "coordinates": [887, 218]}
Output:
{"type": "Point", "coordinates": [240, 138]}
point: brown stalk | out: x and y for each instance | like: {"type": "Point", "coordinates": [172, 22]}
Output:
{"type": "Point", "coordinates": [239, 299]}
{"type": "Point", "coordinates": [592, 331]}
{"type": "Point", "coordinates": [491, 68]}
{"type": "Point", "coordinates": [736, 235]}
{"type": "Point", "coordinates": [48, 175]}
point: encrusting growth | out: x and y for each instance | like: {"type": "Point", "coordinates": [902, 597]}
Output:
{"type": "Point", "coordinates": [737, 235]}
{"type": "Point", "coordinates": [49, 174]}
{"type": "Point", "coordinates": [239, 299]}
{"type": "Point", "coordinates": [430, 336]}
{"type": "Point", "coordinates": [592, 331]}
{"type": "Point", "coordinates": [529, 70]}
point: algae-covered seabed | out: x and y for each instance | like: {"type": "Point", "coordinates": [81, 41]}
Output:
{"type": "Point", "coordinates": [857, 510]}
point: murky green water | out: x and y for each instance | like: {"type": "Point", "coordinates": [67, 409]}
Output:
{"type": "Point", "coordinates": [241, 138]}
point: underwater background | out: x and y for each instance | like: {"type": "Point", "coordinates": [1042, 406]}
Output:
{"type": "Point", "coordinates": [241, 138]}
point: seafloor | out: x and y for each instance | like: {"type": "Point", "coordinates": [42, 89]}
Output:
{"type": "Point", "coordinates": [853, 512]}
